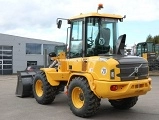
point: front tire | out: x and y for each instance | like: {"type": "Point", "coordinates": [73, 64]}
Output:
{"type": "Point", "coordinates": [125, 103]}
{"type": "Point", "coordinates": [43, 92]}
{"type": "Point", "coordinates": [82, 101]}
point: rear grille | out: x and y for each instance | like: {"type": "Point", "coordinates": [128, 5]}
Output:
{"type": "Point", "coordinates": [133, 71]}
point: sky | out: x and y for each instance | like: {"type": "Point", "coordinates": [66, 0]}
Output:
{"type": "Point", "coordinates": [37, 18]}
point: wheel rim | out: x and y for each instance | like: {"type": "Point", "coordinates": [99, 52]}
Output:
{"type": "Point", "coordinates": [39, 88]}
{"type": "Point", "coordinates": [78, 97]}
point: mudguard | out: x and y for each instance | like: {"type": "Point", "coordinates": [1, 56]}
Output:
{"type": "Point", "coordinates": [24, 83]}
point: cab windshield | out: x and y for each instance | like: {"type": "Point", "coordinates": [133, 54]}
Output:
{"type": "Point", "coordinates": [151, 47]}
{"type": "Point", "coordinates": [101, 36]}
{"type": "Point", "coordinates": [93, 36]}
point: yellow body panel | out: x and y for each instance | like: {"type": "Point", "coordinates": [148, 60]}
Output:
{"type": "Point", "coordinates": [96, 14]}
{"type": "Point", "coordinates": [100, 83]}
{"type": "Point", "coordinates": [144, 55]}
{"type": "Point", "coordinates": [54, 77]}
{"type": "Point", "coordinates": [75, 64]}
{"type": "Point", "coordinates": [94, 66]}
{"type": "Point", "coordinates": [96, 70]}
{"type": "Point", "coordinates": [88, 76]}
{"type": "Point", "coordinates": [125, 89]}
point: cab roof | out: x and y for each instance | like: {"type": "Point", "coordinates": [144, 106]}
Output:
{"type": "Point", "coordinates": [97, 15]}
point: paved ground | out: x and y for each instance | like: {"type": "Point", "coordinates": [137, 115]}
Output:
{"type": "Point", "coordinates": [15, 108]}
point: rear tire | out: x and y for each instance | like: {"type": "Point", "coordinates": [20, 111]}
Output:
{"type": "Point", "coordinates": [43, 92]}
{"type": "Point", "coordinates": [82, 101]}
{"type": "Point", "coordinates": [125, 103]}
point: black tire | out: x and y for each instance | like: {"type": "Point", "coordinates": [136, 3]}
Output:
{"type": "Point", "coordinates": [83, 103]}
{"type": "Point", "coordinates": [47, 92]}
{"type": "Point", "coordinates": [125, 103]}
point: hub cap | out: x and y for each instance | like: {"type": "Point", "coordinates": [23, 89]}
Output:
{"type": "Point", "coordinates": [78, 97]}
{"type": "Point", "coordinates": [39, 88]}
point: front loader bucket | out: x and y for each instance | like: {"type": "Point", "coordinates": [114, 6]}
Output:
{"type": "Point", "coordinates": [24, 83]}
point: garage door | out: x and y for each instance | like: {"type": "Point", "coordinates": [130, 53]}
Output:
{"type": "Point", "coordinates": [6, 60]}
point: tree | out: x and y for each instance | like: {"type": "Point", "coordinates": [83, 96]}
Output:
{"type": "Point", "coordinates": [149, 38]}
{"type": "Point", "coordinates": [154, 39]}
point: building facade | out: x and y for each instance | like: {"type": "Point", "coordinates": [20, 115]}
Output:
{"type": "Point", "coordinates": [16, 53]}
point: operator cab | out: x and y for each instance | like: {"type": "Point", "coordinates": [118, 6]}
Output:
{"type": "Point", "coordinates": [145, 47]}
{"type": "Point", "coordinates": [93, 34]}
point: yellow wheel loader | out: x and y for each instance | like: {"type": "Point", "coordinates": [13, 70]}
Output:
{"type": "Point", "coordinates": [148, 51]}
{"type": "Point", "coordinates": [94, 67]}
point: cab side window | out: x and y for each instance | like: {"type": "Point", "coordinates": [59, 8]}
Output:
{"type": "Point", "coordinates": [76, 40]}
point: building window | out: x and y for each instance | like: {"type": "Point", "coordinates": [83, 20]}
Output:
{"type": "Point", "coordinates": [48, 47]}
{"type": "Point", "coordinates": [33, 48]}
{"type": "Point", "coordinates": [7, 52]}
{"type": "Point", "coordinates": [7, 57]}
{"type": "Point", "coordinates": [31, 63]}
{"type": "Point", "coordinates": [7, 47]}
{"type": "Point", "coordinates": [7, 62]}
{"type": "Point", "coordinates": [7, 66]}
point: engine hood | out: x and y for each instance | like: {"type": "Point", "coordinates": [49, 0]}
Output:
{"type": "Point", "coordinates": [130, 60]}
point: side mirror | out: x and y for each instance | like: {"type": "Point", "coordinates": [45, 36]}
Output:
{"type": "Point", "coordinates": [59, 23]}
{"type": "Point", "coordinates": [121, 19]}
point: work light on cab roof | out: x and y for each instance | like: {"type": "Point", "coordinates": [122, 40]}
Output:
{"type": "Point", "coordinates": [100, 6]}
